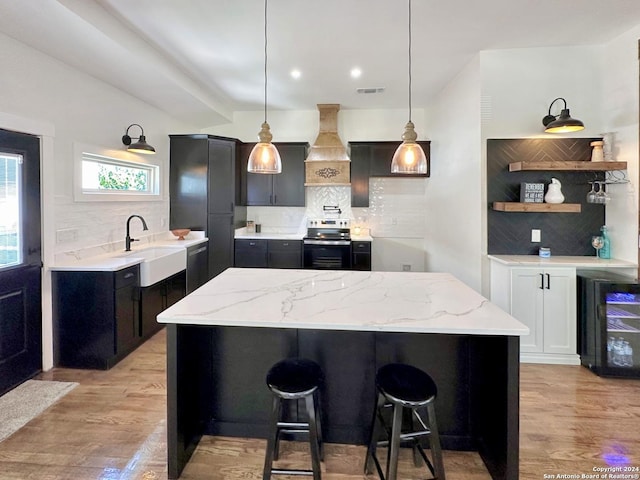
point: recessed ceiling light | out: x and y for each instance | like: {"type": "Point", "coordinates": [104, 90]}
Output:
{"type": "Point", "coordinates": [356, 72]}
{"type": "Point", "coordinates": [295, 73]}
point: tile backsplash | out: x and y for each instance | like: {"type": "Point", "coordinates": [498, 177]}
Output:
{"type": "Point", "coordinates": [396, 208]}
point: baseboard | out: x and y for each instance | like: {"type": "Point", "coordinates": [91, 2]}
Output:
{"type": "Point", "coordinates": [550, 358]}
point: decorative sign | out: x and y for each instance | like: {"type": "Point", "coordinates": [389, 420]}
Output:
{"type": "Point", "coordinates": [532, 192]}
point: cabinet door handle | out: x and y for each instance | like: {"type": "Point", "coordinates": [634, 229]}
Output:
{"type": "Point", "coordinates": [285, 244]}
{"type": "Point", "coordinates": [231, 208]}
{"type": "Point", "coordinates": [128, 275]}
{"type": "Point", "coordinates": [541, 281]}
{"type": "Point", "coordinates": [270, 198]}
{"type": "Point", "coordinates": [252, 244]}
{"type": "Point", "coordinates": [548, 281]}
{"type": "Point", "coordinates": [275, 199]}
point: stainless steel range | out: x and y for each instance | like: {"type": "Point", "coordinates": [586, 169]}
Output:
{"type": "Point", "coordinates": [327, 244]}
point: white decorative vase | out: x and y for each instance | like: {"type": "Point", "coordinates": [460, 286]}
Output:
{"type": "Point", "coordinates": [554, 194]}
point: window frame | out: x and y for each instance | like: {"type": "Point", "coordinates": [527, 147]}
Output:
{"type": "Point", "coordinates": [19, 158]}
{"type": "Point", "coordinates": [114, 157]}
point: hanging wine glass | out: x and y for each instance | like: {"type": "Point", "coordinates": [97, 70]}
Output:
{"type": "Point", "coordinates": [601, 196]}
{"type": "Point", "coordinates": [597, 242]}
{"type": "Point", "coordinates": [591, 196]}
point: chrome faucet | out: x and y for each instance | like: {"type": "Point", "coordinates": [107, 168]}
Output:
{"type": "Point", "coordinates": [128, 239]}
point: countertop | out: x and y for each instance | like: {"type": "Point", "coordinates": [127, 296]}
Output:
{"type": "Point", "coordinates": [119, 259]}
{"type": "Point", "coordinates": [342, 300]}
{"type": "Point", "coordinates": [242, 234]}
{"type": "Point", "coordinates": [561, 261]}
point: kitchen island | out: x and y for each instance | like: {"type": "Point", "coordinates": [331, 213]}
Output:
{"type": "Point", "coordinates": [222, 339]}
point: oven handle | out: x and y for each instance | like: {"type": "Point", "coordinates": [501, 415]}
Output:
{"type": "Point", "coordinates": [327, 242]}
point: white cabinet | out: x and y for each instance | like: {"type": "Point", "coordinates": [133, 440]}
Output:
{"type": "Point", "coordinates": [544, 299]}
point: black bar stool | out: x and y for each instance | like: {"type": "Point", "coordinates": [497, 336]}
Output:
{"type": "Point", "coordinates": [403, 387]}
{"type": "Point", "coordinates": [295, 379]}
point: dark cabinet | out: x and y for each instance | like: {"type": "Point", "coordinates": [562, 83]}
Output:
{"type": "Point", "coordinates": [262, 253]}
{"type": "Point", "coordinates": [373, 159]}
{"type": "Point", "coordinates": [284, 254]}
{"type": "Point", "coordinates": [197, 266]}
{"type": "Point", "coordinates": [206, 192]}
{"type": "Point", "coordinates": [360, 255]}
{"type": "Point", "coordinates": [251, 253]}
{"type": "Point", "coordinates": [283, 190]}
{"type": "Point", "coordinates": [96, 317]}
{"type": "Point", "coordinates": [156, 298]}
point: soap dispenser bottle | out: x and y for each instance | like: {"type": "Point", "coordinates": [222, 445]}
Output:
{"type": "Point", "coordinates": [605, 252]}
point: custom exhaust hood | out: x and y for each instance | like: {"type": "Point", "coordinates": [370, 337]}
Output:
{"type": "Point", "coordinates": [328, 162]}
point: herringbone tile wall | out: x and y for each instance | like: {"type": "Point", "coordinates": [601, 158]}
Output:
{"type": "Point", "coordinates": [564, 233]}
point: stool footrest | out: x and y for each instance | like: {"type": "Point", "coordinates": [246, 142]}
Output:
{"type": "Point", "coordinates": [406, 437]}
{"type": "Point", "coordinates": [287, 471]}
{"type": "Point", "coordinates": [293, 425]}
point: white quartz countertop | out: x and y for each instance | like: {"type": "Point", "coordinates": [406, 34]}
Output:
{"type": "Point", "coordinates": [268, 236]}
{"type": "Point", "coordinates": [562, 261]}
{"type": "Point", "coordinates": [342, 300]}
{"type": "Point", "coordinates": [241, 233]}
{"type": "Point", "coordinates": [119, 259]}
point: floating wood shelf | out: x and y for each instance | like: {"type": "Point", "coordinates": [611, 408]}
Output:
{"type": "Point", "coordinates": [584, 166]}
{"type": "Point", "coordinates": [537, 207]}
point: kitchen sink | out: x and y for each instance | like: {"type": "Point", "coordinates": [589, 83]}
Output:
{"type": "Point", "coordinates": [159, 263]}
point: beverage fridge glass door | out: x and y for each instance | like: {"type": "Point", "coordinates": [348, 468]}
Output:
{"type": "Point", "coordinates": [622, 330]}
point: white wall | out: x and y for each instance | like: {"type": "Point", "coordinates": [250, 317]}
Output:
{"type": "Point", "coordinates": [45, 97]}
{"type": "Point", "coordinates": [454, 208]}
{"type": "Point", "coordinates": [620, 116]}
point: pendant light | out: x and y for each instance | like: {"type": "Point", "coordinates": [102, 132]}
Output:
{"type": "Point", "coordinates": [264, 157]}
{"type": "Point", "coordinates": [409, 156]}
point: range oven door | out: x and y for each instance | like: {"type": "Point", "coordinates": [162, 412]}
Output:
{"type": "Point", "coordinates": [327, 254]}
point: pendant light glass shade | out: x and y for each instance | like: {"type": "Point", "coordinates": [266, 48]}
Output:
{"type": "Point", "coordinates": [409, 157]}
{"type": "Point", "coordinates": [264, 157]}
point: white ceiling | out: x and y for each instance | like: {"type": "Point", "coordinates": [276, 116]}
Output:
{"type": "Point", "coordinates": [202, 60]}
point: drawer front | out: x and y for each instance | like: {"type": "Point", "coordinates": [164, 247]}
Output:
{"type": "Point", "coordinates": [285, 246]}
{"type": "Point", "coordinates": [126, 277]}
{"type": "Point", "coordinates": [363, 247]}
{"type": "Point", "coordinates": [251, 246]}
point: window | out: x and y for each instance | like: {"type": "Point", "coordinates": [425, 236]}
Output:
{"type": "Point", "coordinates": [10, 184]}
{"type": "Point", "coordinates": [111, 175]}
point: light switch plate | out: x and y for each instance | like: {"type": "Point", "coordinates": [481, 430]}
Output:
{"type": "Point", "coordinates": [535, 235]}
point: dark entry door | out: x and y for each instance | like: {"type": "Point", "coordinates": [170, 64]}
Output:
{"type": "Point", "coordinates": [20, 259]}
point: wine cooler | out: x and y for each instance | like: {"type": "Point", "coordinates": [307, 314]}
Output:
{"type": "Point", "coordinates": [609, 323]}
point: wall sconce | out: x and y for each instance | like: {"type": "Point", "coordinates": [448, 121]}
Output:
{"type": "Point", "coordinates": [562, 123]}
{"type": "Point", "coordinates": [141, 146]}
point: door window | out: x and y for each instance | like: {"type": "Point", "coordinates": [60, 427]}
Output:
{"type": "Point", "coordinates": [10, 218]}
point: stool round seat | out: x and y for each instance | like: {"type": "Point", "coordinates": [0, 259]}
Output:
{"type": "Point", "coordinates": [406, 385]}
{"type": "Point", "coordinates": [294, 377]}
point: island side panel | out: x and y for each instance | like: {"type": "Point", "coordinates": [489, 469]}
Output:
{"type": "Point", "coordinates": [347, 359]}
{"type": "Point", "coordinates": [495, 403]}
{"type": "Point", "coordinates": [241, 400]}
{"type": "Point", "coordinates": [189, 391]}
{"type": "Point", "coordinates": [446, 359]}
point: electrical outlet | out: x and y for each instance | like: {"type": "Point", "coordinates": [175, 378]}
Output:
{"type": "Point", "coordinates": [406, 267]}
{"type": "Point", "coordinates": [535, 235]}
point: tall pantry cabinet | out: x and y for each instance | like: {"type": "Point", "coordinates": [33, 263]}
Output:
{"type": "Point", "coordinates": [205, 192]}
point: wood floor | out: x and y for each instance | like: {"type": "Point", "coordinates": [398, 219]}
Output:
{"type": "Point", "coordinates": [113, 427]}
